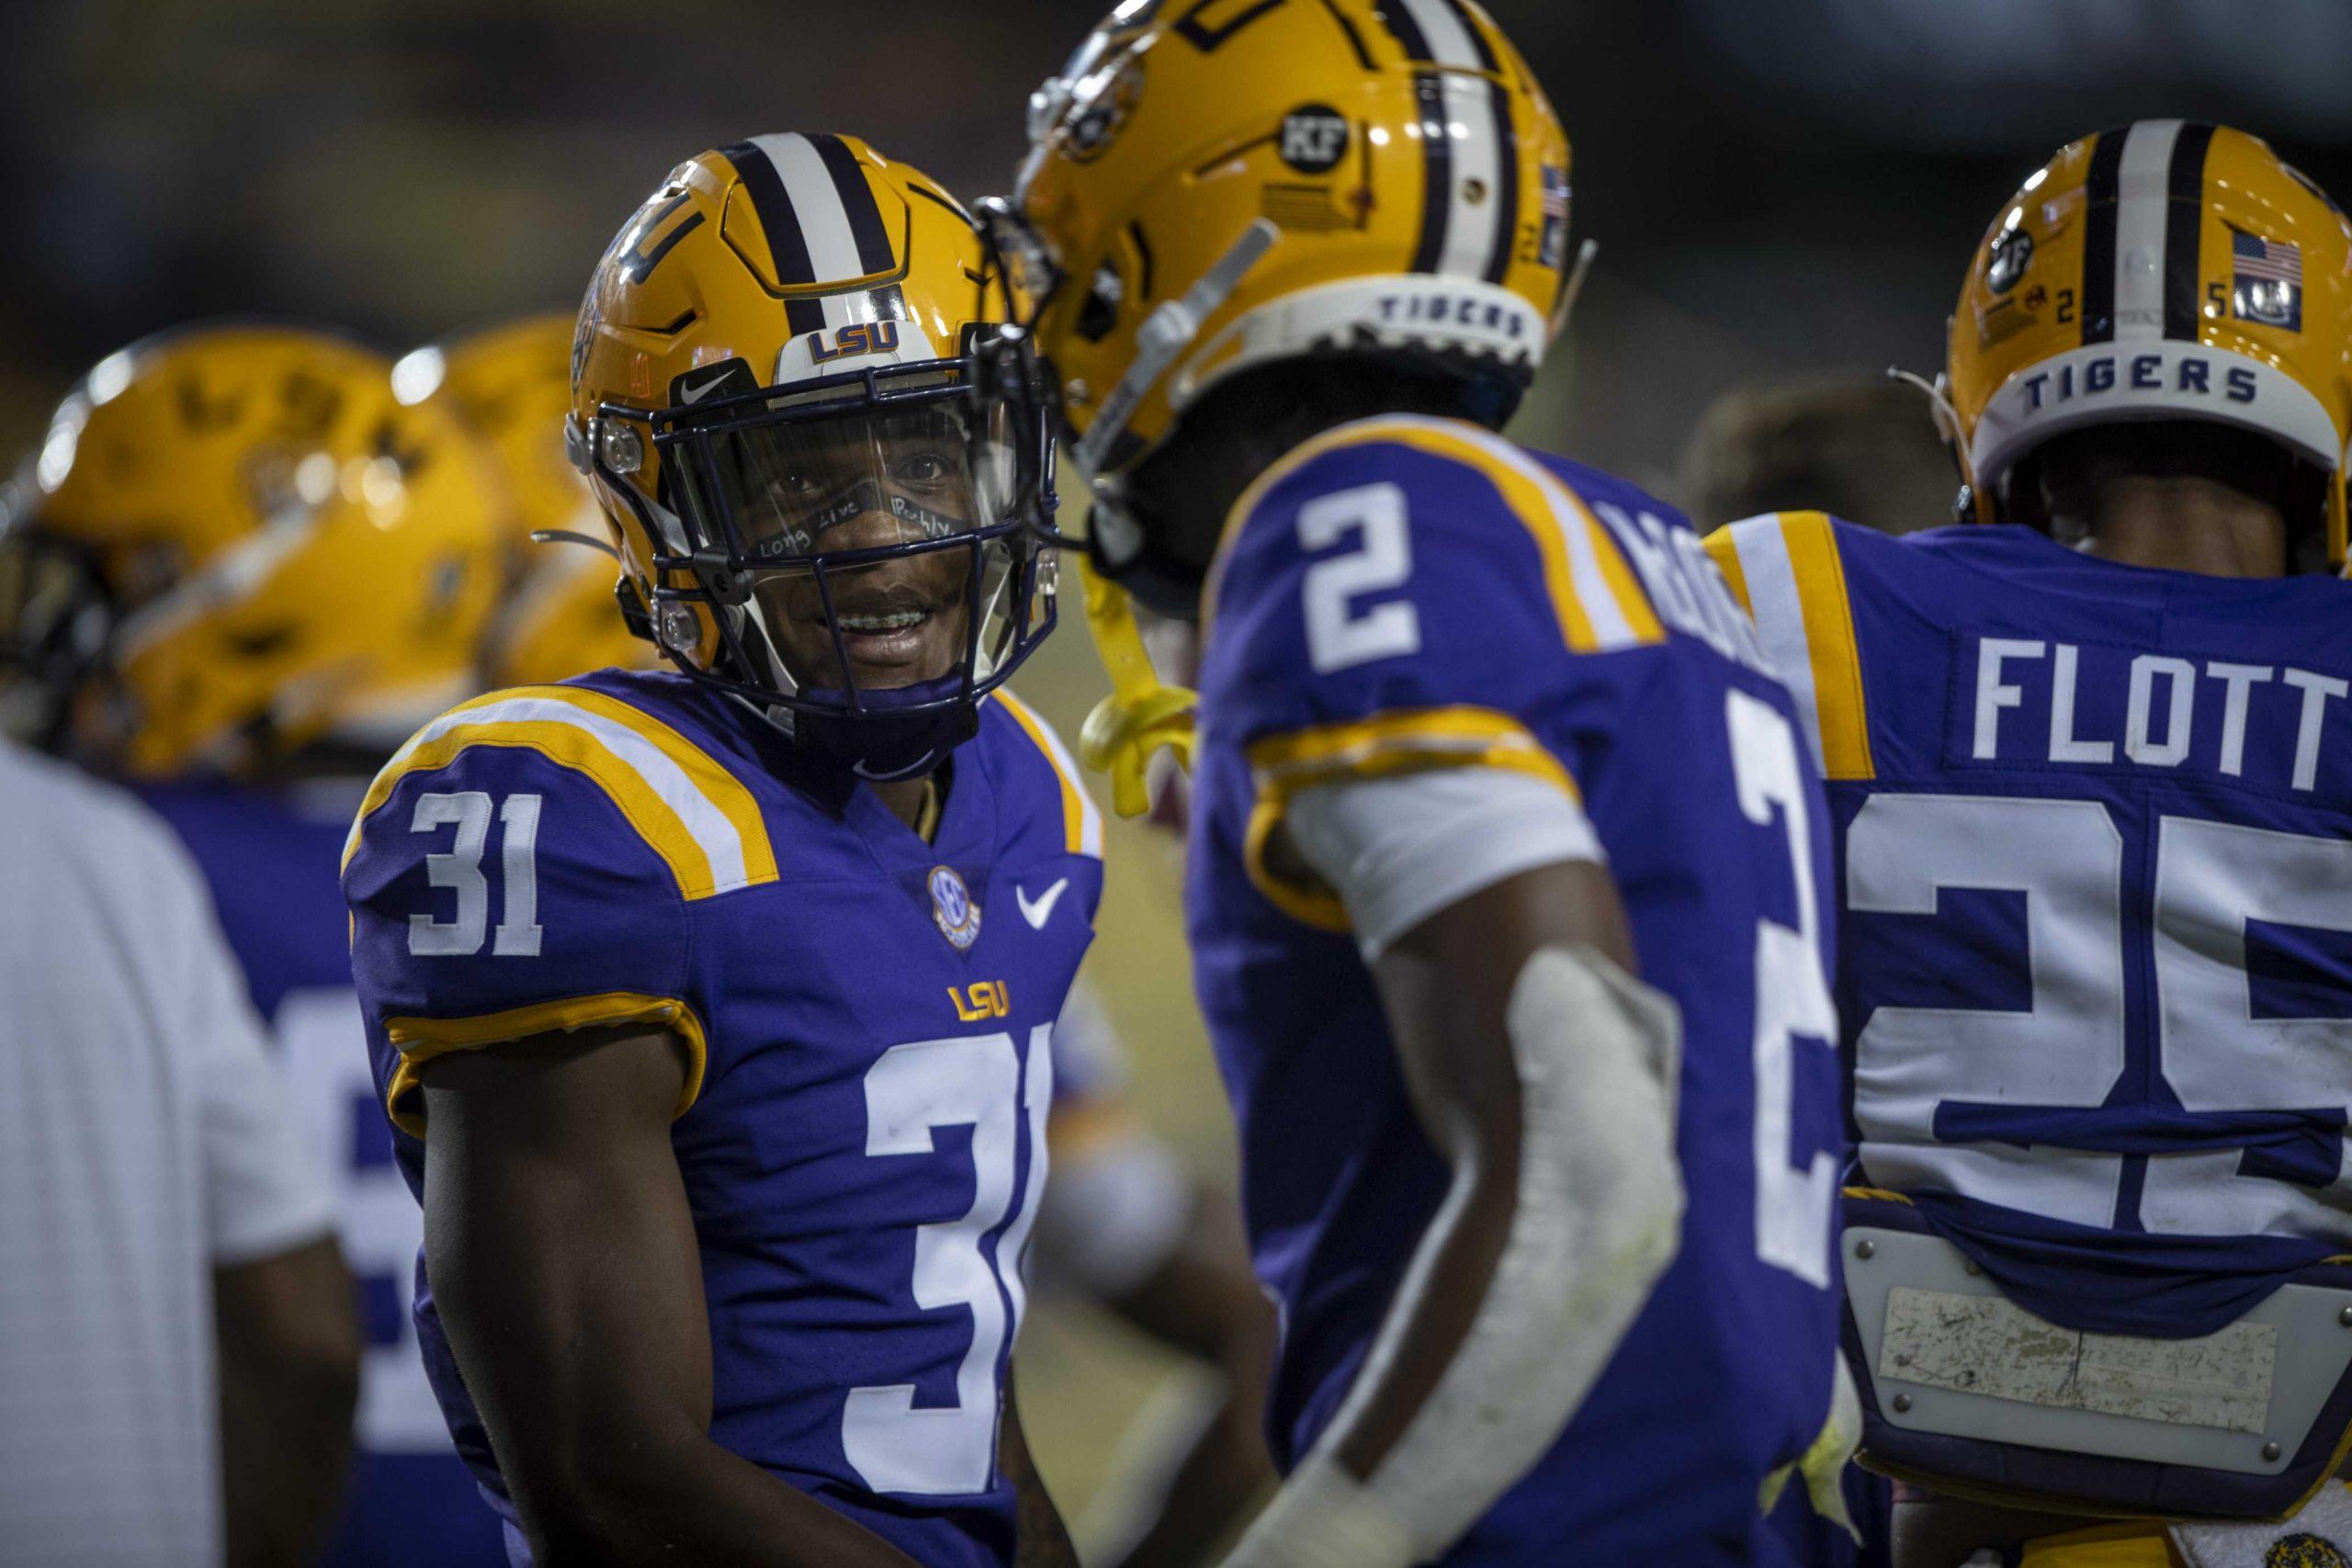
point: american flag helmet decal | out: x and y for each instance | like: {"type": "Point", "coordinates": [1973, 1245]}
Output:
{"type": "Point", "coordinates": [2267, 281]}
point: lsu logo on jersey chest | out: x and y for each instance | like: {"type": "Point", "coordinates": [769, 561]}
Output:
{"type": "Point", "coordinates": [981, 1000]}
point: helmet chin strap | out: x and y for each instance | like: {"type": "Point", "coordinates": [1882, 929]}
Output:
{"type": "Point", "coordinates": [1142, 715]}
{"type": "Point", "coordinates": [1115, 533]}
{"type": "Point", "coordinates": [1166, 333]}
{"type": "Point", "coordinates": [920, 766]}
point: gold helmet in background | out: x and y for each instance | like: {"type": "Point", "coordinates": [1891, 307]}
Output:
{"type": "Point", "coordinates": [556, 615]}
{"type": "Point", "coordinates": [813, 436]}
{"type": "Point", "coordinates": [2167, 270]}
{"type": "Point", "coordinates": [233, 539]}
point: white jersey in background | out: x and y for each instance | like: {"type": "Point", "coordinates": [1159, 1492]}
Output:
{"type": "Point", "coordinates": [143, 1141]}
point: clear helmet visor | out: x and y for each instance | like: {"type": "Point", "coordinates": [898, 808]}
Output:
{"type": "Point", "coordinates": [866, 481]}
{"type": "Point", "coordinates": [881, 543]}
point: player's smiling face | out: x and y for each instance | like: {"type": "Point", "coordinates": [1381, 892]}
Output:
{"type": "Point", "coordinates": [900, 622]}
{"type": "Point", "coordinates": [898, 478]}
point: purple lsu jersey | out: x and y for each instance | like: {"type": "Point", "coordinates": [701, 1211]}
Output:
{"type": "Point", "coordinates": [270, 858]}
{"type": "Point", "coordinates": [2094, 830]}
{"type": "Point", "coordinates": [868, 1017]}
{"type": "Point", "coordinates": [1410, 594]}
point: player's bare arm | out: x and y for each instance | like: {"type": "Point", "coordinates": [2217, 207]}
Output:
{"type": "Point", "coordinates": [1199, 1301]}
{"type": "Point", "coordinates": [1447, 988]}
{"type": "Point", "coordinates": [563, 1257]}
{"type": "Point", "coordinates": [289, 1379]}
{"type": "Point", "coordinates": [1505, 1007]}
{"type": "Point", "coordinates": [1040, 1540]}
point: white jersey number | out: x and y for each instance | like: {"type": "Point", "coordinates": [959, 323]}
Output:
{"type": "Point", "coordinates": [2067, 1049]}
{"type": "Point", "coordinates": [1794, 1205]}
{"type": "Point", "coordinates": [1336, 637]}
{"type": "Point", "coordinates": [459, 868]}
{"type": "Point", "coordinates": [950, 1450]}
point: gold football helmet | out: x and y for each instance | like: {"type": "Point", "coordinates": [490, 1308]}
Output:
{"type": "Point", "coordinates": [819, 451]}
{"type": "Point", "coordinates": [233, 539]}
{"type": "Point", "coordinates": [1203, 195]}
{"type": "Point", "coordinates": [1212, 190]}
{"type": "Point", "coordinates": [2167, 270]}
{"type": "Point", "coordinates": [555, 615]}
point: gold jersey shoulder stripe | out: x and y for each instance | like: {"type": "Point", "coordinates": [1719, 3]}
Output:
{"type": "Point", "coordinates": [419, 1040]}
{"type": "Point", "coordinates": [1723, 550]}
{"type": "Point", "coordinates": [1082, 822]}
{"type": "Point", "coordinates": [693, 813]}
{"type": "Point", "coordinates": [1786, 568]}
{"type": "Point", "coordinates": [1402, 741]}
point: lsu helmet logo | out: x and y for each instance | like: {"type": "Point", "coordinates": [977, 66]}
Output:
{"type": "Point", "coordinates": [952, 907]}
{"type": "Point", "coordinates": [854, 340]}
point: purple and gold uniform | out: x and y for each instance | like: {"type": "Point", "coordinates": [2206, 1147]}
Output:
{"type": "Point", "coordinates": [1411, 593]}
{"type": "Point", "coordinates": [868, 1016]}
{"type": "Point", "coordinates": [2094, 837]}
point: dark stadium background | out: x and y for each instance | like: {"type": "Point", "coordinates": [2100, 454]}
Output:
{"type": "Point", "coordinates": [1781, 188]}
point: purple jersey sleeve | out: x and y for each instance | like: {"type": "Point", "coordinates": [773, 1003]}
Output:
{"type": "Point", "coordinates": [509, 879]}
{"type": "Point", "coordinates": [1412, 594]}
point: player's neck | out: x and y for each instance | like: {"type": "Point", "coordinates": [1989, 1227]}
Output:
{"type": "Point", "coordinates": [916, 802]}
{"type": "Point", "coordinates": [1243, 427]}
{"type": "Point", "coordinates": [2179, 522]}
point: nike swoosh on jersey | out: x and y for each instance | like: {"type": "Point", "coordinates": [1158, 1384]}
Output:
{"type": "Point", "coordinates": [1038, 912]}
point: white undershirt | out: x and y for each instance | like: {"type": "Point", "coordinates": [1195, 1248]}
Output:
{"type": "Point", "coordinates": [1398, 850]}
{"type": "Point", "coordinates": [143, 1140]}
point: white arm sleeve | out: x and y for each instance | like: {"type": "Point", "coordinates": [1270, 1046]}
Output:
{"type": "Point", "coordinates": [264, 1194]}
{"type": "Point", "coordinates": [1398, 850]}
{"type": "Point", "coordinates": [1597, 1219]}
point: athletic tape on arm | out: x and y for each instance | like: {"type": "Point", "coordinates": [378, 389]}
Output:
{"type": "Point", "coordinates": [1597, 1220]}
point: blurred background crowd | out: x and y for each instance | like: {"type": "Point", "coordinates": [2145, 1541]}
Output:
{"type": "Point", "coordinates": [1784, 196]}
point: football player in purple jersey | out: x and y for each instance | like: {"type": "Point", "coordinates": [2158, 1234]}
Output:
{"type": "Point", "coordinates": [713, 1007]}
{"type": "Point", "coordinates": [1505, 875]}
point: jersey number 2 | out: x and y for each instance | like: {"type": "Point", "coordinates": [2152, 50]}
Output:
{"type": "Point", "coordinates": [461, 869]}
{"type": "Point", "coordinates": [1336, 637]}
{"type": "Point", "coordinates": [1793, 1204]}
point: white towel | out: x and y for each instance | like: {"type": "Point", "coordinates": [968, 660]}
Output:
{"type": "Point", "coordinates": [2319, 1537]}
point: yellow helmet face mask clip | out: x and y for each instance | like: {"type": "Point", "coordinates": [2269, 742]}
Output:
{"type": "Point", "coordinates": [2167, 270]}
{"type": "Point", "coordinates": [234, 541]}
{"type": "Point", "coordinates": [1143, 716]}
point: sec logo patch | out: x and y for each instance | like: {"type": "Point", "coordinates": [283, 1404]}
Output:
{"type": "Point", "coordinates": [953, 908]}
{"type": "Point", "coordinates": [2302, 1550]}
